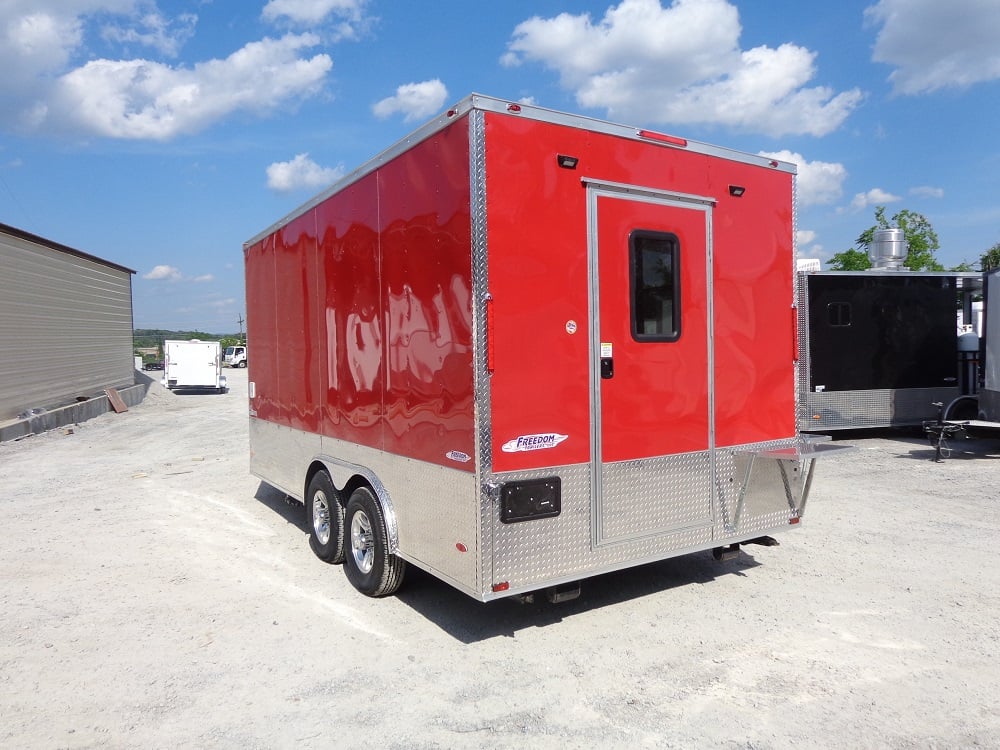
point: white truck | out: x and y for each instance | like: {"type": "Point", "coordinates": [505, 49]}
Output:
{"type": "Point", "coordinates": [193, 365]}
{"type": "Point", "coordinates": [235, 356]}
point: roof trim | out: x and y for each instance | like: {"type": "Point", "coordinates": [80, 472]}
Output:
{"type": "Point", "coordinates": [34, 238]}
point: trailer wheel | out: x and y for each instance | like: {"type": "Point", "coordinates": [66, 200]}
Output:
{"type": "Point", "coordinates": [369, 566]}
{"type": "Point", "coordinates": [325, 516]}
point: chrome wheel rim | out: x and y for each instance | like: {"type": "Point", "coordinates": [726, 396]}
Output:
{"type": "Point", "coordinates": [321, 517]}
{"type": "Point", "coordinates": [362, 542]}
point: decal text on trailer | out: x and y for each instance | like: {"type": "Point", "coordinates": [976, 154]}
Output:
{"type": "Point", "coordinates": [533, 442]}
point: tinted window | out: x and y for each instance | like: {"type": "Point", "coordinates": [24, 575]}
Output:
{"type": "Point", "coordinates": [839, 313]}
{"type": "Point", "coordinates": [655, 258]}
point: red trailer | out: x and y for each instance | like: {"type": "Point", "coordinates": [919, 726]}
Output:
{"type": "Point", "coordinates": [521, 348]}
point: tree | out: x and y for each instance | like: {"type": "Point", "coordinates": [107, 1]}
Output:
{"type": "Point", "coordinates": [850, 260]}
{"type": "Point", "coordinates": [990, 259]}
{"type": "Point", "coordinates": [921, 240]}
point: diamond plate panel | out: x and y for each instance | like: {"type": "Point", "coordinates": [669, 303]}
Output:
{"type": "Point", "coordinates": [550, 548]}
{"type": "Point", "coordinates": [536, 554]}
{"type": "Point", "coordinates": [887, 407]}
{"type": "Point", "coordinates": [480, 296]}
{"type": "Point", "coordinates": [655, 495]}
{"type": "Point", "coordinates": [765, 503]}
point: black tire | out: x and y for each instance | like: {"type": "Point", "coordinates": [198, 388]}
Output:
{"type": "Point", "coordinates": [325, 519]}
{"type": "Point", "coordinates": [369, 566]}
{"type": "Point", "coordinates": [242, 364]}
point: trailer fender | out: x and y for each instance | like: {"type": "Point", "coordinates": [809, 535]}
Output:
{"type": "Point", "coordinates": [347, 477]}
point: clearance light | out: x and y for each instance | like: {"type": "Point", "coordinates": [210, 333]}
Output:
{"type": "Point", "coordinates": [501, 586]}
{"type": "Point", "coordinates": [793, 520]}
{"type": "Point", "coordinates": [737, 191]}
{"type": "Point", "coordinates": [567, 162]}
{"type": "Point", "coordinates": [461, 547]}
{"type": "Point", "coordinates": [515, 108]}
{"type": "Point", "coordinates": [673, 140]}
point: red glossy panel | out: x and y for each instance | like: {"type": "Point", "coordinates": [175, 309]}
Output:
{"type": "Point", "coordinates": [754, 341]}
{"type": "Point", "coordinates": [366, 304]}
{"type": "Point", "coordinates": [538, 278]}
{"type": "Point", "coordinates": [426, 286]}
{"type": "Point", "coordinates": [350, 344]}
{"type": "Point", "coordinates": [296, 359]}
{"type": "Point", "coordinates": [262, 335]}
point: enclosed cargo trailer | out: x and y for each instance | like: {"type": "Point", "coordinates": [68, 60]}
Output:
{"type": "Point", "coordinates": [520, 348]}
{"type": "Point", "coordinates": [881, 347]}
{"type": "Point", "coordinates": [193, 365]}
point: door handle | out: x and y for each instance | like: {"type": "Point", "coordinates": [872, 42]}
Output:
{"type": "Point", "coordinates": [607, 368]}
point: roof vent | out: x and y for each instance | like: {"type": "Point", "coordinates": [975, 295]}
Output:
{"type": "Point", "coordinates": [888, 250]}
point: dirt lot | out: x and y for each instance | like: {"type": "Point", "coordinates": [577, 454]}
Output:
{"type": "Point", "coordinates": [156, 595]}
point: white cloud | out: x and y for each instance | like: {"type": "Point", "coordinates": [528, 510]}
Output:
{"type": "Point", "coordinates": [34, 45]}
{"type": "Point", "coordinates": [163, 273]}
{"type": "Point", "coordinates": [415, 101]}
{"type": "Point", "coordinates": [805, 236]}
{"type": "Point", "coordinates": [134, 98]}
{"type": "Point", "coordinates": [874, 197]}
{"type": "Point", "coordinates": [340, 19]}
{"type": "Point", "coordinates": [171, 273]}
{"type": "Point", "coordinates": [819, 182]}
{"type": "Point", "coordinates": [301, 172]}
{"type": "Point", "coordinates": [140, 99]}
{"type": "Point", "coordinates": [311, 11]}
{"type": "Point", "coordinates": [152, 29]}
{"type": "Point", "coordinates": [926, 191]}
{"type": "Point", "coordinates": [934, 45]}
{"type": "Point", "coordinates": [681, 64]}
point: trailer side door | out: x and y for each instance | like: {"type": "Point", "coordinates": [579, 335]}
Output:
{"type": "Point", "coordinates": [651, 367]}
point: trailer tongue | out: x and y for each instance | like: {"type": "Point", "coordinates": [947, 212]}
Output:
{"type": "Point", "coordinates": [521, 348]}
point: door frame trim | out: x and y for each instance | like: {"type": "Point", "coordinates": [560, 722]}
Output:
{"type": "Point", "coordinates": [597, 189]}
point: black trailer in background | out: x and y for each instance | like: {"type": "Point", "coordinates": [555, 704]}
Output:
{"type": "Point", "coordinates": [880, 348]}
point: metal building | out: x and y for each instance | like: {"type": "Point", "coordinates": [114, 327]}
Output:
{"type": "Point", "coordinates": [65, 325]}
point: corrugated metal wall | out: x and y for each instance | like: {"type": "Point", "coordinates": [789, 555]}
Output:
{"type": "Point", "coordinates": [65, 324]}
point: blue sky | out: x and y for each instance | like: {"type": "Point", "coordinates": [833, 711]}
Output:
{"type": "Point", "coordinates": [161, 135]}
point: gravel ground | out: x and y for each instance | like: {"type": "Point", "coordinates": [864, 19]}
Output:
{"type": "Point", "coordinates": [156, 595]}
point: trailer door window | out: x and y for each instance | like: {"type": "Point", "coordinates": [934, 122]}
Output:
{"type": "Point", "coordinates": [654, 259]}
{"type": "Point", "coordinates": [839, 314]}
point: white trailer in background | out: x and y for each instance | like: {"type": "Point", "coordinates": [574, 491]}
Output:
{"type": "Point", "coordinates": [194, 365]}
